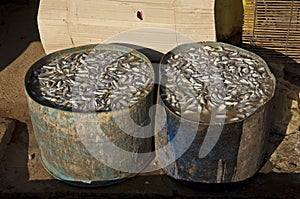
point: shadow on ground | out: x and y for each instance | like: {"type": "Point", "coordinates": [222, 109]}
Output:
{"type": "Point", "coordinates": [15, 180]}
{"type": "Point", "coordinates": [14, 171]}
{"type": "Point", "coordinates": [276, 135]}
{"type": "Point", "coordinates": [18, 28]}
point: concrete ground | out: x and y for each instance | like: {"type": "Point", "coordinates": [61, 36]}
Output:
{"type": "Point", "coordinates": [21, 172]}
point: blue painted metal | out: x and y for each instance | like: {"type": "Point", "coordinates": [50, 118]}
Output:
{"type": "Point", "coordinates": [238, 151]}
{"type": "Point", "coordinates": [63, 151]}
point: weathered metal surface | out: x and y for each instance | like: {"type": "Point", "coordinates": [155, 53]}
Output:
{"type": "Point", "coordinates": [233, 153]}
{"type": "Point", "coordinates": [71, 143]}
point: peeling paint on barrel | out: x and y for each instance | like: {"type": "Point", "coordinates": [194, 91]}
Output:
{"type": "Point", "coordinates": [237, 154]}
{"type": "Point", "coordinates": [240, 149]}
{"type": "Point", "coordinates": [63, 152]}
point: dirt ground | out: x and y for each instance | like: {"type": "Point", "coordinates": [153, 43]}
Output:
{"type": "Point", "coordinates": [20, 47]}
{"type": "Point", "coordinates": [21, 172]}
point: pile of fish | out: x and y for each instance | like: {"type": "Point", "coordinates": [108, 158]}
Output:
{"type": "Point", "coordinates": [94, 80]}
{"type": "Point", "coordinates": [203, 79]}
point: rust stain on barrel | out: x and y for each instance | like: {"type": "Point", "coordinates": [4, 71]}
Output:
{"type": "Point", "coordinates": [237, 154]}
{"type": "Point", "coordinates": [60, 139]}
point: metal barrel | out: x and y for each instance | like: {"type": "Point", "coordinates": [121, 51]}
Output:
{"type": "Point", "coordinates": [90, 148]}
{"type": "Point", "coordinates": [237, 152]}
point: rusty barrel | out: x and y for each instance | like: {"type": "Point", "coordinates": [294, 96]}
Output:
{"type": "Point", "coordinates": [90, 148]}
{"type": "Point", "coordinates": [197, 151]}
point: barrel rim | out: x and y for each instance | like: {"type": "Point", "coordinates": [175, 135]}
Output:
{"type": "Point", "coordinates": [224, 45]}
{"type": "Point", "coordinates": [77, 49]}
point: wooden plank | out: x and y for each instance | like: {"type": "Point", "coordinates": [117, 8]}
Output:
{"type": "Point", "coordinates": [69, 23]}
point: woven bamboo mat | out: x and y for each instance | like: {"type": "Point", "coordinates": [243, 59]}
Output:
{"type": "Point", "coordinates": [272, 29]}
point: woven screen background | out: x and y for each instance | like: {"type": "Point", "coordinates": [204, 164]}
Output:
{"type": "Point", "coordinates": [272, 29]}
